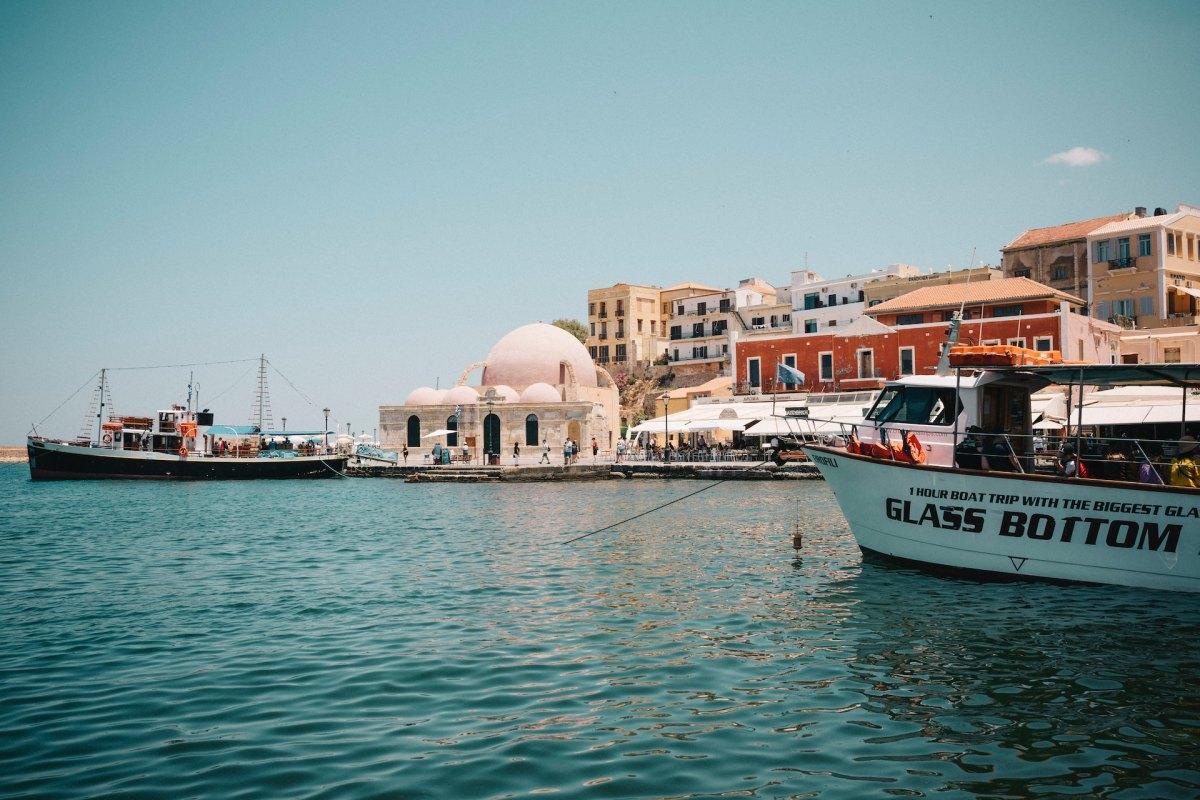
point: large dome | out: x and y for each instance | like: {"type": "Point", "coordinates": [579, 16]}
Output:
{"type": "Point", "coordinates": [425, 396]}
{"type": "Point", "coordinates": [531, 354]}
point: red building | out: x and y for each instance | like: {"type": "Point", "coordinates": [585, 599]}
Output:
{"type": "Point", "coordinates": [905, 336]}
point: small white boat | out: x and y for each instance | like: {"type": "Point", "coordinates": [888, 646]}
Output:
{"type": "Point", "coordinates": [908, 498]}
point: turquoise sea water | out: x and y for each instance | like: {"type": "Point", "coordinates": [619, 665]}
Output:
{"type": "Point", "coordinates": [369, 638]}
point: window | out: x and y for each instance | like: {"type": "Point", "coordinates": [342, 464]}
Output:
{"type": "Point", "coordinates": [676, 331]}
{"type": "Point", "coordinates": [753, 372]}
{"type": "Point", "coordinates": [1170, 244]}
{"type": "Point", "coordinates": [593, 326]}
{"type": "Point", "coordinates": [920, 405]}
{"type": "Point", "coordinates": [833, 299]}
{"type": "Point", "coordinates": [414, 431]}
{"type": "Point", "coordinates": [1143, 244]}
{"type": "Point", "coordinates": [620, 354]}
{"type": "Point", "coordinates": [1123, 307]}
{"type": "Point", "coordinates": [1017, 341]}
{"type": "Point", "coordinates": [825, 362]}
{"type": "Point", "coordinates": [719, 326]}
{"type": "Point", "coordinates": [1043, 344]}
{"type": "Point", "coordinates": [680, 313]}
{"type": "Point", "coordinates": [531, 431]}
{"type": "Point", "coordinates": [653, 326]}
{"type": "Point", "coordinates": [906, 360]}
{"type": "Point", "coordinates": [603, 354]}
{"type": "Point", "coordinates": [1147, 305]}
{"type": "Point", "coordinates": [1006, 311]}
{"type": "Point", "coordinates": [701, 308]}
{"type": "Point", "coordinates": [910, 319]}
{"type": "Point", "coordinates": [639, 326]}
{"type": "Point", "coordinates": [860, 295]}
{"type": "Point", "coordinates": [603, 330]}
{"type": "Point", "coordinates": [1059, 272]}
{"type": "Point", "coordinates": [452, 425]}
{"type": "Point", "coordinates": [621, 330]}
{"type": "Point", "coordinates": [1102, 251]}
{"type": "Point", "coordinates": [697, 329]}
{"type": "Point", "coordinates": [757, 322]}
{"type": "Point", "coordinates": [1020, 273]}
{"type": "Point", "coordinates": [724, 304]}
{"type": "Point", "coordinates": [990, 342]}
{"type": "Point", "coordinates": [1170, 355]}
{"type": "Point", "coordinates": [810, 326]}
{"type": "Point", "coordinates": [866, 363]}
{"type": "Point", "coordinates": [1123, 248]}
{"type": "Point", "coordinates": [811, 300]}
{"type": "Point", "coordinates": [789, 360]}
{"type": "Point", "coordinates": [603, 310]}
{"type": "Point", "coordinates": [620, 308]}
{"type": "Point", "coordinates": [591, 309]}
{"type": "Point", "coordinates": [787, 318]}
{"type": "Point", "coordinates": [592, 352]}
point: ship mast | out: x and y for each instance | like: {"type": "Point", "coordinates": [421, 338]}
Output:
{"type": "Point", "coordinates": [100, 412]}
{"type": "Point", "coordinates": [260, 413]}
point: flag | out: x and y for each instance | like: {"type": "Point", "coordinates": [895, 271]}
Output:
{"type": "Point", "coordinates": [790, 375]}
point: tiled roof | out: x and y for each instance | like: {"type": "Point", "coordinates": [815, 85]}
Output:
{"type": "Point", "coordinates": [1001, 290]}
{"type": "Point", "coordinates": [1144, 223]}
{"type": "Point", "coordinates": [1036, 237]}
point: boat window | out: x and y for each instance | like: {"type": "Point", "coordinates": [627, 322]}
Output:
{"type": "Point", "coordinates": [914, 405]}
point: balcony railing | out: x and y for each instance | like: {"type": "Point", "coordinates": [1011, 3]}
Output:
{"type": "Point", "coordinates": [1122, 263]}
{"type": "Point", "coordinates": [603, 336]}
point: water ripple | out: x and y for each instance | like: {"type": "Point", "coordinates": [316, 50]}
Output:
{"type": "Point", "coordinates": [347, 639]}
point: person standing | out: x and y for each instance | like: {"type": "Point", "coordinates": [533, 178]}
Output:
{"type": "Point", "coordinates": [516, 452]}
{"type": "Point", "coordinates": [595, 449]}
{"type": "Point", "coordinates": [545, 451]}
{"type": "Point", "coordinates": [1184, 470]}
{"type": "Point", "coordinates": [404, 453]}
{"type": "Point", "coordinates": [566, 452]}
{"type": "Point", "coordinates": [620, 449]}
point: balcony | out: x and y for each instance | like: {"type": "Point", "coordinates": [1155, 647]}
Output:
{"type": "Point", "coordinates": [1122, 263]}
{"type": "Point", "coordinates": [602, 336]}
{"type": "Point", "coordinates": [1179, 319]}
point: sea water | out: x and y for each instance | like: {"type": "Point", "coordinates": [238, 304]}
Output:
{"type": "Point", "coordinates": [371, 638]}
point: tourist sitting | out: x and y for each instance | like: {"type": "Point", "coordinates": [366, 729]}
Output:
{"type": "Point", "coordinates": [1116, 466]}
{"type": "Point", "coordinates": [967, 455]}
{"type": "Point", "coordinates": [998, 454]}
{"type": "Point", "coordinates": [1184, 471]}
{"type": "Point", "coordinates": [1069, 464]}
{"type": "Point", "coordinates": [1146, 471]}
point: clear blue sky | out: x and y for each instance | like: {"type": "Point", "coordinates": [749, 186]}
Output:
{"type": "Point", "coordinates": [373, 193]}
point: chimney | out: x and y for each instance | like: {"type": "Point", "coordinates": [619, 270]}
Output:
{"type": "Point", "coordinates": [1160, 212]}
{"type": "Point", "coordinates": [1140, 211]}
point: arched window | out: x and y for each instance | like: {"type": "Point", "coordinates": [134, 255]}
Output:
{"type": "Point", "coordinates": [531, 431]}
{"type": "Point", "coordinates": [452, 425]}
{"type": "Point", "coordinates": [414, 431]}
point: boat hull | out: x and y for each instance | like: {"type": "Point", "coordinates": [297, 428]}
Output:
{"type": "Point", "coordinates": [57, 461]}
{"type": "Point", "coordinates": [1018, 526]}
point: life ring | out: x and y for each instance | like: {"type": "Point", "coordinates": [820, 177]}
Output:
{"type": "Point", "coordinates": [107, 438]}
{"type": "Point", "coordinates": [183, 451]}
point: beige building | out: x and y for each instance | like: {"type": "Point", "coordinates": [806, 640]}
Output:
{"type": "Point", "coordinates": [1056, 256]}
{"type": "Point", "coordinates": [883, 289]}
{"type": "Point", "coordinates": [625, 324]}
{"type": "Point", "coordinates": [1145, 271]}
{"type": "Point", "coordinates": [1161, 346]}
{"type": "Point", "coordinates": [537, 383]}
{"type": "Point", "coordinates": [704, 326]}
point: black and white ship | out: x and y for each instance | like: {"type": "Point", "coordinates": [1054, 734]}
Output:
{"type": "Point", "coordinates": [182, 443]}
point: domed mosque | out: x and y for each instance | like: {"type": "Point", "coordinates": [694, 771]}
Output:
{"type": "Point", "coordinates": [538, 382]}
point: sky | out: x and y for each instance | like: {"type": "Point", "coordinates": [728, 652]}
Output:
{"type": "Point", "coordinates": [372, 194]}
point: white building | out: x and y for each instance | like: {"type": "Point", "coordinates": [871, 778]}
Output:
{"type": "Point", "coordinates": [819, 304]}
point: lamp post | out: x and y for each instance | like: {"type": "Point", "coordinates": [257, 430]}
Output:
{"type": "Point", "coordinates": [284, 424]}
{"type": "Point", "coordinates": [326, 411]}
{"type": "Point", "coordinates": [666, 429]}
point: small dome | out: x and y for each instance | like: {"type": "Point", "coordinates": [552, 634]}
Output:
{"type": "Point", "coordinates": [532, 353]}
{"type": "Point", "coordinates": [540, 393]}
{"type": "Point", "coordinates": [460, 395]}
{"type": "Point", "coordinates": [501, 394]}
{"type": "Point", "coordinates": [425, 396]}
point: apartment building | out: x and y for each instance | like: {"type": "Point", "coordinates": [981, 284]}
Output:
{"type": "Point", "coordinates": [624, 324]}
{"type": "Point", "coordinates": [702, 325]}
{"type": "Point", "coordinates": [1144, 272]}
{"type": "Point", "coordinates": [819, 304]}
{"type": "Point", "coordinates": [1056, 256]}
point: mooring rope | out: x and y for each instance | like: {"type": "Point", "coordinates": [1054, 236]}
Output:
{"type": "Point", "coordinates": [659, 508]}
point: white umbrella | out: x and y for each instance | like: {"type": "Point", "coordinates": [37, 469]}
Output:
{"type": "Point", "coordinates": [1047, 425]}
{"type": "Point", "coordinates": [714, 425]}
{"type": "Point", "coordinates": [437, 433]}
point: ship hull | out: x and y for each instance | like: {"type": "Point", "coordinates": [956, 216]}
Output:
{"type": "Point", "coordinates": [1013, 526]}
{"type": "Point", "coordinates": [57, 461]}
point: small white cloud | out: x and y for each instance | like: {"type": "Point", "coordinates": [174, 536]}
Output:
{"type": "Point", "coordinates": [1078, 157]}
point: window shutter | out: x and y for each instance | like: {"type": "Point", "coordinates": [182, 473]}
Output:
{"type": "Point", "coordinates": [1147, 305]}
{"type": "Point", "coordinates": [1102, 311]}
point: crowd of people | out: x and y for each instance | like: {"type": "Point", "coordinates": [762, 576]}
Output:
{"type": "Point", "coordinates": [1125, 460]}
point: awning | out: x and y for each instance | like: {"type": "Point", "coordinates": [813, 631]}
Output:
{"type": "Point", "coordinates": [715, 425]}
{"type": "Point", "coordinates": [294, 433]}
{"type": "Point", "coordinates": [1186, 290]}
{"type": "Point", "coordinates": [232, 430]}
{"type": "Point", "coordinates": [1112, 374]}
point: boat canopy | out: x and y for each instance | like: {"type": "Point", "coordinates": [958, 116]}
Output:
{"type": "Point", "coordinates": [233, 430]}
{"type": "Point", "coordinates": [294, 433]}
{"type": "Point", "coordinates": [1111, 374]}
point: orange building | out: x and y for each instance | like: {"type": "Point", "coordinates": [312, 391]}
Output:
{"type": "Point", "coordinates": [905, 336]}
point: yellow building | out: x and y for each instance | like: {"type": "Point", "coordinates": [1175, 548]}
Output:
{"type": "Point", "coordinates": [1144, 272]}
{"type": "Point", "coordinates": [627, 322]}
{"type": "Point", "coordinates": [881, 290]}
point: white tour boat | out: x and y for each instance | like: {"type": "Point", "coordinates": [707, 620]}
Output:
{"type": "Point", "coordinates": [908, 498]}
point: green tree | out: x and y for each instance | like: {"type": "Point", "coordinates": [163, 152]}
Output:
{"type": "Point", "coordinates": [573, 327]}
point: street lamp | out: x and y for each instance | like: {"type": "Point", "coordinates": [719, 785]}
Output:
{"type": "Point", "coordinates": [326, 410]}
{"type": "Point", "coordinates": [285, 424]}
{"type": "Point", "coordinates": [666, 429]}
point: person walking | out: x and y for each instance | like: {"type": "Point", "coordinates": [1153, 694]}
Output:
{"type": "Point", "coordinates": [404, 453]}
{"type": "Point", "coordinates": [595, 449]}
{"type": "Point", "coordinates": [516, 452]}
{"type": "Point", "coordinates": [545, 451]}
{"type": "Point", "coordinates": [620, 450]}
{"type": "Point", "coordinates": [566, 452]}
